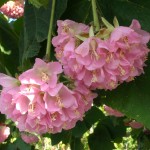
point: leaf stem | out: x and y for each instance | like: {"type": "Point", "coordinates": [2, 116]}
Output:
{"type": "Point", "coordinates": [49, 38]}
{"type": "Point", "coordinates": [95, 15]}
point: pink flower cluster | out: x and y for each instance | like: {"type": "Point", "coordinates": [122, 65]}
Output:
{"type": "Point", "coordinates": [38, 103]}
{"type": "Point", "coordinates": [29, 138]}
{"type": "Point", "coordinates": [4, 132]}
{"type": "Point", "coordinates": [98, 63]}
{"type": "Point", "coordinates": [13, 9]}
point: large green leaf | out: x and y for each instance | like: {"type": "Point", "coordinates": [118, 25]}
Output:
{"type": "Point", "coordinates": [19, 144]}
{"type": "Point", "coordinates": [126, 10]}
{"type": "Point", "coordinates": [100, 139]}
{"type": "Point", "coordinates": [39, 3]}
{"type": "Point", "coordinates": [116, 127]}
{"type": "Point", "coordinates": [64, 136]}
{"type": "Point", "coordinates": [76, 144]}
{"type": "Point", "coordinates": [91, 117]}
{"type": "Point", "coordinates": [79, 10]}
{"type": "Point", "coordinates": [79, 129]}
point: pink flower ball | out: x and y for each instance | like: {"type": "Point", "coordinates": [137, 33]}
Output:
{"type": "Point", "coordinates": [102, 64]}
{"type": "Point", "coordinates": [4, 132]}
{"type": "Point", "coordinates": [41, 104]}
{"type": "Point", "coordinates": [13, 9]}
{"type": "Point", "coordinates": [29, 138]}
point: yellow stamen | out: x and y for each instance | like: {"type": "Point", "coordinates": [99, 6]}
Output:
{"type": "Point", "coordinates": [125, 39]}
{"type": "Point", "coordinates": [94, 78]}
{"type": "Point", "coordinates": [109, 57]}
{"type": "Point", "coordinates": [121, 54]}
{"type": "Point", "coordinates": [122, 71]}
{"type": "Point", "coordinates": [84, 99]}
{"type": "Point", "coordinates": [112, 84]}
{"type": "Point", "coordinates": [53, 116]}
{"type": "Point", "coordinates": [58, 99]}
{"type": "Point", "coordinates": [93, 47]}
{"type": "Point", "coordinates": [77, 112]}
{"type": "Point", "coordinates": [45, 77]}
{"type": "Point", "coordinates": [64, 125]}
{"type": "Point", "coordinates": [31, 107]}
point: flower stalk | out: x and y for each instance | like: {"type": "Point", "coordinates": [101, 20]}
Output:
{"type": "Point", "coordinates": [95, 15]}
{"type": "Point", "coordinates": [49, 38]}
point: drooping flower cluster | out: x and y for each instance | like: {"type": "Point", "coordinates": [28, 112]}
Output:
{"type": "Point", "coordinates": [29, 138]}
{"type": "Point", "coordinates": [99, 63]}
{"type": "Point", "coordinates": [4, 132]}
{"type": "Point", "coordinates": [38, 103]}
{"type": "Point", "coordinates": [13, 9]}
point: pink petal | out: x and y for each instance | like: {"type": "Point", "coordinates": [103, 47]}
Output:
{"type": "Point", "coordinates": [7, 81]}
{"type": "Point", "coordinates": [54, 67]}
{"type": "Point", "coordinates": [67, 97]}
{"type": "Point", "coordinates": [22, 104]}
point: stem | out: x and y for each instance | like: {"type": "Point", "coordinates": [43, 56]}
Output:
{"type": "Point", "coordinates": [49, 38]}
{"type": "Point", "coordinates": [95, 15]}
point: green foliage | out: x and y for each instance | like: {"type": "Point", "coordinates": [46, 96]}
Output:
{"type": "Point", "coordinates": [64, 136]}
{"type": "Point", "coordinates": [76, 144]}
{"type": "Point", "coordinates": [134, 10]}
{"type": "Point", "coordinates": [100, 139]}
{"type": "Point", "coordinates": [2, 2]}
{"type": "Point", "coordinates": [19, 144]}
{"type": "Point", "coordinates": [79, 10]}
{"type": "Point", "coordinates": [39, 3]}
{"type": "Point", "coordinates": [8, 47]}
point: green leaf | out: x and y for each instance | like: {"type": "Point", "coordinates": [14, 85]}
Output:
{"type": "Point", "coordinates": [79, 10]}
{"type": "Point", "coordinates": [79, 129]}
{"type": "Point", "coordinates": [17, 25]}
{"type": "Point", "coordinates": [19, 144]}
{"type": "Point", "coordinates": [116, 128]}
{"type": "Point", "coordinates": [76, 144]}
{"type": "Point", "coordinates": [9, 53]}
{"type": "Point", "coordinates": [100, 139]}
{"type": "Point", "coordinates": [93, 115]}
{"type": "Point", "coordinates": [126, 10]}
{"type": "Point", "coordinates": [2, 118]}
{"type": "Point", "coordinates": [144, 142]}
{"type": "Point", "coordinates": [64, 136]}
{"type": "Point", "coordinates": [39, 3]}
